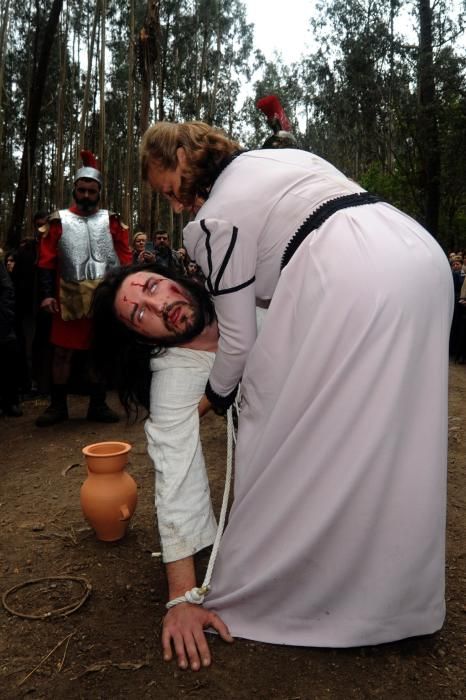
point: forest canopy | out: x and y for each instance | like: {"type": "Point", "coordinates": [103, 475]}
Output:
{"type": "Point", "coordinates": [386, 106]}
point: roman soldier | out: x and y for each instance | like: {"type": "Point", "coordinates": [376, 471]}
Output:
{"type": "Point", "coordinates": [78, 246]}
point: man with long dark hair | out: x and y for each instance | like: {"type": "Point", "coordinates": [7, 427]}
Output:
{"type": "Point", "coordinates": [155, 338]}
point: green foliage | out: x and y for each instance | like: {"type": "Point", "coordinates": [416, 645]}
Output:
{"type": "Point", "coordinates": [392, 187]}
{"type": "Point", "coordinates": [353, 100]}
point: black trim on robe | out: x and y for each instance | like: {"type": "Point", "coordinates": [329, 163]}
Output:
{"type": "Point", "coordinates": [320, 215]}
{"type": "Point", "coordinates": [213, 286]}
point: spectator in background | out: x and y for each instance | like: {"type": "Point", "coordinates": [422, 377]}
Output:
{"type": "Point", "coordinates": [194, 272]}
{"type": "Point", "coordinates": [463, 266]}
{"type": "Point", "coordinates": [26, 291]}
{"type": "Point", "coordinates": [183, 257]}
{"type": "Point", "coordinates": [139, 246]}
{"type": "Point", "coordinates": [161, 238]}
{"type": "Point", "coordinates": [14, 269]}
{"type": "Point", "coordinates": [164, 255]}
{"type": "Point", "coordinates": [456, 331]}
{"type": "Point", "coordinates": [9, 382]}
{"type": "Point", "coordinates": [461, 333]}
{"type": "Point", "coordinates": [41, 356]}
{"type": "Point", "coordinates": [10, 262]}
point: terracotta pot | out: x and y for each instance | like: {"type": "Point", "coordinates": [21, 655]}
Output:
{"type": "Point", "coordinates": [109, 494]}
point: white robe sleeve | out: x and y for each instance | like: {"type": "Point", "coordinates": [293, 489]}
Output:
{"type": "Point", "coordinates": [227, 257]}
{"type": "Point", "coordinates": [182, 497]}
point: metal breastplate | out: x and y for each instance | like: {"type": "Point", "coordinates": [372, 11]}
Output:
{"type": "Point", "coordinates": [86, 246]}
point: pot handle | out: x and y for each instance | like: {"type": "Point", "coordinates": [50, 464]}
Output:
{"type": "Point", "coordinates": [124, 510]}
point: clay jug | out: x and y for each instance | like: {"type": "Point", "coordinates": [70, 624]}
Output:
{"type": "Point", "coordinates": [109, 494]}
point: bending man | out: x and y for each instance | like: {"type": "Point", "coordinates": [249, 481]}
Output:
{"type": "Point", "coordinates": [336, 535]}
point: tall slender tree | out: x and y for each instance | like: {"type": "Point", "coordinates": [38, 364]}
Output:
{"type": "Point", "coordinates": [428, 137]}
{"type": "Point", "coordinates": [34, 110]}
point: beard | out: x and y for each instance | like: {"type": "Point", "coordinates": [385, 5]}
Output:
{"type": "Point", "coordinates": [199, 313]}
{"type": "Point", "coordinates": [86, 205]}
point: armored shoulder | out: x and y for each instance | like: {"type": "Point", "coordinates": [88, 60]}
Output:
{"type": "Point", "coordinates": [45, 229]}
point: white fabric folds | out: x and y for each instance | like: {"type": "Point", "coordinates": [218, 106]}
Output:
{"type": "Point", "coordinates": [182, 497]}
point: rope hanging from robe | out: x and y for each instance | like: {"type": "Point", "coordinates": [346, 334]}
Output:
{"type": "Point", "coordinates": [197, 594]}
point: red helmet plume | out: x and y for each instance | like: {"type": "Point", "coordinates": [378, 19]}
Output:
{"type": "Point", "coordinates": [271, 106]}
{"type": "Point", "coordinates": [89, 159]}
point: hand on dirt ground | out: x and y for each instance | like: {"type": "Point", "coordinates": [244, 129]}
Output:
{"type": "Point", "coordinates": [50, 304]}
{"type": "Point", "coordinates": [183, 627]}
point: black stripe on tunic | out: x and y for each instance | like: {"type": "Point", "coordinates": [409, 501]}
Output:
{"type": "Point", "coordinates": [213, 286]}
{"type": "Point", "coordinates": [320, 215]}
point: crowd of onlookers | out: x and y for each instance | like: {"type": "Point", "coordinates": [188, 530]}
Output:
{"type": "Point", "coordinates": [158, 249]}
{"type": "Point", "coordinates": [24, 329]}
{"type": "Point", "coordinates": [25, 350]}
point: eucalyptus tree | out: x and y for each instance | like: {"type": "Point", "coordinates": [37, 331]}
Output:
{"type": "Point", "coordinates": [375, 102]}
{"type": "Point", "coordinates": [193, 59]}
{"type": "Point", "coordinates": [451, 88]}
{"type": "Point", "coordinates": [350, 76]}
{"type": "Point", "coordinates": [205, 52]}
{"type": "Point", "coordinates": [274, 78]}
{"type": "Point", "coordinates": [441, 89]}
{"type": "Point", "coordinates": [18, 52]}
{"type": "Point", "coordinates": [44, 35]}
{"type": "Point", "coordinates": [4, 23]}
{"type": "Point", "coordinates": [428, 132]}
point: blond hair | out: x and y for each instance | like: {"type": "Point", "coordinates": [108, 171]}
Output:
{"type": "Point", "coordinates": [205, 147]}
{"type": "Point", "coordinates": [136, 236]}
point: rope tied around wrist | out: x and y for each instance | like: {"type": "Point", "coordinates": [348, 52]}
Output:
{"type": "Point", "coordinates": [197, 594]}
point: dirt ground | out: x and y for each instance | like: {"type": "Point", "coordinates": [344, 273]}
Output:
{"type": "Point", "coordinates": [109, 648]}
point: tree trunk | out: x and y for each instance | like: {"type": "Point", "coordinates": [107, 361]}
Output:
{"type": "Point", "coordinates": [148, 50]}
{"type": "Point", "coordinates": [59, 160]}
{"type": "Point", "coordinates": [33, 116]}
{"type": "Point", "coordinates": [128, 186]}
{"type": "Point", "coordinates": [3, 43]}
{"type": "Point", "coordinates": [202, 68]}
{"type": "Point", "coordinates": [428, 136]}
{"type": "Point", "coordinates": [87, 86]}
{"type": "Point", "coordinates": [101, 146]}
{"type": "Point", "coordinates": [213, 94]}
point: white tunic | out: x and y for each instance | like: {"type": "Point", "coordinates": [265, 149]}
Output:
{"type": "Point", "coordinates": [337, 529]}
{"type": "Point", "coordinates": [182, 497]}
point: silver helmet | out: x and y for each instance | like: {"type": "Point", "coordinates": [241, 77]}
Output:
{"type": "Point", "coordinates": [89, 168]}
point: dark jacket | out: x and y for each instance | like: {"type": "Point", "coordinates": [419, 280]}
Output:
{"type": "Point", "coordinates": [7, 306]}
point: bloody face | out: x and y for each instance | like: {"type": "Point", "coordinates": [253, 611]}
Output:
{"type": "Point", "coordinates": [159, 308]}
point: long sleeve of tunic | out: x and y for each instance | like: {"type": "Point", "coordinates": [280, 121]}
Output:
{"type": "Point", "coordinates": [184, 511]}
{"type": "Point", "coordinates": [239, 235]}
